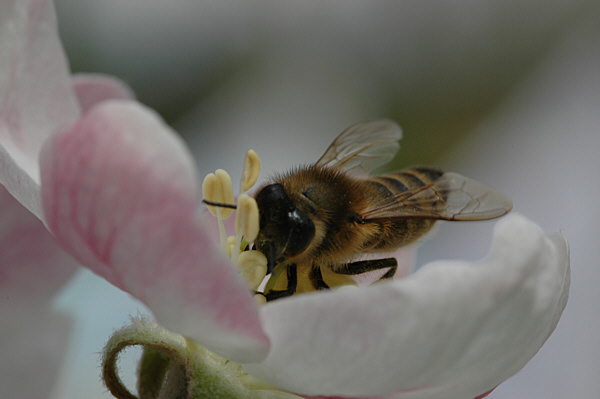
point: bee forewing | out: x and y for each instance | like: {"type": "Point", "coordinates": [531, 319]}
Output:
{"type": "Point", "coordinates": [450, 197]}
{"type": "Point", "coordinates": [467, 199]}
{"type": "Point", "coordinates": [363, 147]}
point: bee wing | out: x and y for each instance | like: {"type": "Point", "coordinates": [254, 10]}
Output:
{"type": "Point", "coordinates": [450, 197]}
{"type": "Point", "coordinates": [363, 147]}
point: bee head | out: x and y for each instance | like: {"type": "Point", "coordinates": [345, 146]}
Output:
{"type": "Point", "coordinates": [285, 231]}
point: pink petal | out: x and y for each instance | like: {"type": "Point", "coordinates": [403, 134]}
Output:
{"type": "Point", "coordinates": [120, 193]}
{"type": "Point", "coordinates": [32, 266]}
{"type": "Point", "coordinates": [35, 93]}
{"type": "Point", "coordinates": [32, 269]}
{"type": "Point", "coordinates": [92, 89]}
{"type": "Point", "coordinates": [453, 330]}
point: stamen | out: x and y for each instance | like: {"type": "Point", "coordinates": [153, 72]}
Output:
{"type": "Point", "coordinates": [210, 188]}
{"type": "Point", "coordinates": [231, 240]}
{"type": "Point", "coordinates": [253, 266]}
{"type": "Point", "coordinates": [251, 170]}
{"type": "Point", "coordinates": [260, 299]}
{"type": "Point", "coordinates": [212, 191]}
{"type": "Point", "coordinates": [246, 222]}
{"type": "Point", "coordinates": [246, 218]}
{"type": "Point", "coordinates": [217, 191]}
{"type": "Point", "coordinates": [226, 192]}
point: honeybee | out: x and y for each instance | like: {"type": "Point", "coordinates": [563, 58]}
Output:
{"type": "Point", "coordinates": [314, 220]}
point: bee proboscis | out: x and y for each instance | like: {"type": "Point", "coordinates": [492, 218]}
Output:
{"type": "Point", "coordinates": [315, 220]}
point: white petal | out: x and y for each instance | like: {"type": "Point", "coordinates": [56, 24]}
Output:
{"type": "Point", "coordinates": [454, 330]}
{"type": "Point", "coordinates": [33, 337]}
{"type": "Point", "coordinates": [33, 268]}
{"type": "Point", "coordinates": [35, 93]}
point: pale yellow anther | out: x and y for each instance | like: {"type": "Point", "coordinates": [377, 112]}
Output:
{"type": "Point", "coordinates": [251, 170]}
{"type": "Point", "coordinates": [260, 299]}
{"type": "Point", "coordinates": [210, 191]}
{"type": "Point", "coordinates": [253, 266]}
{"type": "Point", "coordinates": [247, 218]}
{"type": "Point", "coordinates": [225, 192]}
{"type": "Point", "coordinates": [231, 241]}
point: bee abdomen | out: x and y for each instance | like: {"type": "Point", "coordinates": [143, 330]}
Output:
{"type": "Point", "coordinates": [397, 182]}
{"type": "Point", "coordinates": [395, 233]}
{"type": "Point", "coordinates": [409, 178]}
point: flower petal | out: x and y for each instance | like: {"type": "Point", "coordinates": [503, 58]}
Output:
{"type": "Point", "coordinates": [92, 89]}
{"type": "Point", "coordinates": [35, 93]}
{"type": "Point", "coordinates": [120, 193]}
{"type": "Point", "coordinates": [32, 266]}
{"type": "Point", "coordinates": [33, 338]}
{"type": "Point", "coordinates": [453, 330]}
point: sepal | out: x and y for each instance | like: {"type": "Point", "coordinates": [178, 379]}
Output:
{"type": "Point", "coordinates": [173, 366]}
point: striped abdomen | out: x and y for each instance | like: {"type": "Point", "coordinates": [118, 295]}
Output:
{"type": "Point", "coordinates": [393, 233]}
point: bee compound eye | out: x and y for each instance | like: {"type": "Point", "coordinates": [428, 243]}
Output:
{"type": "Point", "coordinates": [302, 232]}
{"type": "Point", "coordinates": [286, 227]}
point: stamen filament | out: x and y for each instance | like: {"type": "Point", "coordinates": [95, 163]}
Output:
{"type": "Point", "coordinates": [236, 249]}
{"type": "Point", "coordinates": [222, 233]}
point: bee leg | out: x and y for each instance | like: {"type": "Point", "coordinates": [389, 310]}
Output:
{"type": "Point", "coordinates": [316, 278]}
{"type": "Point", "coordinates": [393, 268]}
{"type": "Point", "coordinates": [364, 266]}
{"type": "Point", "coordinates": [292, 284]}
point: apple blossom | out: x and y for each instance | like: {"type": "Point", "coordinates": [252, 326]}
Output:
{"type": "Point", "coordinates": [118, 190]}
{"type": "Point", "coordinates": [335, 342]}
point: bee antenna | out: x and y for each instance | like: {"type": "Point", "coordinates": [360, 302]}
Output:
{"type": "Point", "coordinates": [211, 203]}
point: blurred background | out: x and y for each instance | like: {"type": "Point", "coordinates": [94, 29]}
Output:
{"type": "Point", "coordinates": [506, 92]}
